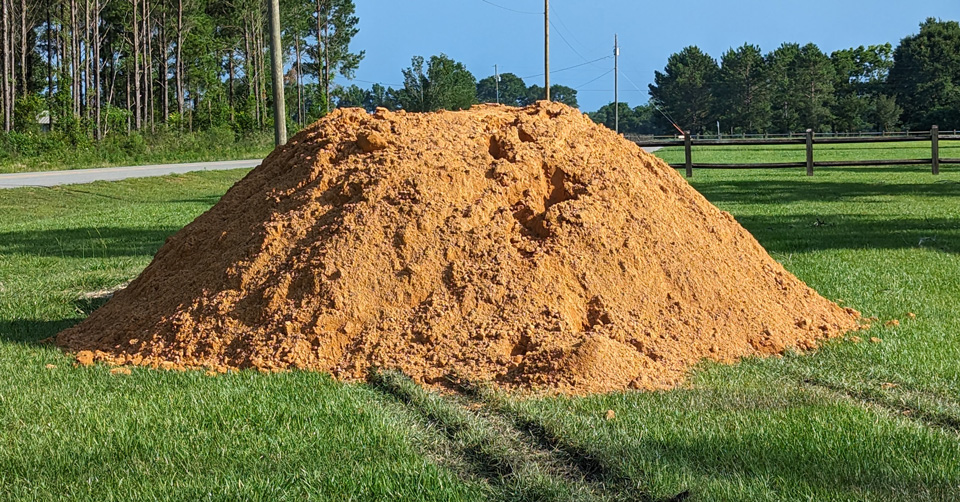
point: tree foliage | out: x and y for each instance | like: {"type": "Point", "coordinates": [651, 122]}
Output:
{"type": "Point", "coordinates": [743, 96]}
{"type": "Point", "coordinates": [802, 88]}
{"type": "Point", "coordinates": [792, 88]}
{"type": "Point", "coordinates": [513, 90]}
{"type": "Point", "coordinates": [861, 75]}
{"type": "Point", "coordinates": [558, 93]}
{"type": "Point", "coordinates": [684, 88]}
{"type": "Point", "coordinates": [180, 64]}
{"type": "Point", "coordinates": [637, 120]}
{"type": "Point", "coordinates": [925, 77]}
{"type": "Point", "coordinates": [444, 84]}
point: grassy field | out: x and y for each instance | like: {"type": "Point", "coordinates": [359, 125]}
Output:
{"type": "Point", "coordinates": [50, 152]}
{"type": "Point", "coordinates": [852, 421]}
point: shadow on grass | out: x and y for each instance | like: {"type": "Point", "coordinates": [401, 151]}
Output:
{"type": "Point", "coordinates": [806, 189]}
{"type": "Point", "coordinates": [799, 232]}
{"type": "Point", "coordinates": [86, 242]}
{"type": "Point", "coordinates": [208, 200]}
{"type": "Point", "coordinates": [790, 223]}
{"type": "Point", "coordinates": [30, 331]}
{"type": "Point", "coordinates": [785, 469]}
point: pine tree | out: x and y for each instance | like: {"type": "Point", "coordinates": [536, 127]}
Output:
{"type": "Point", "coordinates": [685, 88]}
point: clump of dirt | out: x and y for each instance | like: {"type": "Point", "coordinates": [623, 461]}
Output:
{"type": "Point", "coordinates": [525, 247]}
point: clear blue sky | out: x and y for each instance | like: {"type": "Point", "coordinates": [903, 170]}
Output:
{"type": "Point", "coordinates": [480, 34]}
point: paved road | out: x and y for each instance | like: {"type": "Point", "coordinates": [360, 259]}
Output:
{"type": "Point", "coordinates": [75, 176]}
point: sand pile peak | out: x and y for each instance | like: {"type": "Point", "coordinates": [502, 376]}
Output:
{"type": "Point", "coordinates": [523, 246]}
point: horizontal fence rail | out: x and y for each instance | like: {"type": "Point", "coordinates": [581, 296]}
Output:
{"type": "Point", "coordinates": [809, 139]}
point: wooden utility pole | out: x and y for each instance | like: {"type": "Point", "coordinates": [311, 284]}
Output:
{"type": "Point", "coordinates": [616, 84]}
{"type": "Point", "coordinates": [276, 62]}
{"type": "Point", "coordinates": [546, 47]}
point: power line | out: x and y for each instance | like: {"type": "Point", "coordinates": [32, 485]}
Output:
{"type": "Point", "coordinates": [594, 79]}
{"type": "Point", "coordinates": [569, 67]}
{"type": "Point", "coordinates": [665, 114]}
{"type": "Point", "coordinates": [631, 82]}
{"type": "Point", "coordinates": [567, 42]}
{"type": "Point", "coordinates": [372, 82]}
{"type": "Point", "coordinates": [509, 9]}
{"type": "Point", "coordinates": [571, 32]}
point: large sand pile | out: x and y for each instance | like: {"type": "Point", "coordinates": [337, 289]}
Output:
{"type": "Point", "coordinates": [527, 247]}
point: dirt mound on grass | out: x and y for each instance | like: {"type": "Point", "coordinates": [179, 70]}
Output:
{"type": "Point", "coordinates": [528, 247]}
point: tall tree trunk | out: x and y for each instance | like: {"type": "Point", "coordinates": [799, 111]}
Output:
{"type": "Point", "coordinates": [129, 119]}
{"type": "Point", "coordinates": [6, 52]}
{"type": "Point", "coordinates": [49, 54]}
{"type": "Point", "coordinates": [179, 59]}
{"type": "Point", "coordinates": [261, 76]}
{"type": "Point", "coordinates": [148, 81]}
{"type": "Point", "coordinates": [23, 47]}
{"type": "Point", "coordinates": [61, 49]}
{"type": "Point", "coordinates": [89, 41]}
{"type": "Point", "coordinates": [230, 77]}
{"type": "Point", "coordinates": [253, 78]}
{"type": "Point", "coordinates": [9, 73]}
{"type": "Point", "coordinates": [164, 64]}
{"type": "Point", "coordinates": [256, 73]}
{"type": "Point", "coordinates": [317, 60]}
{"type": "Point", "coordinates": [97, 81]}
{"type": "Point", "coordinates": [137, 90]}
{"type": "Point", "coordinates": [114, 71]}
{"type": "Point", "coordinates": [326, 63]}
{"type": "Point", "coordinates": [264, 72]}
{"type": "Point", "coordinates": [248, 63]}
{"type": "Point", "coordinates": [296, 48]}
{"type": "Point", "coordinates": [74, 58]}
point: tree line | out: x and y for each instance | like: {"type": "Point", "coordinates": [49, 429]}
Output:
{"type": "Point", "coordinates": [793, 88]}
{"type": "Point", "coordinates": [96, 67]}
{"type": "Point", "coordinates": [92, 68]}
{"type": "Point", "coordinates": [443, 83]}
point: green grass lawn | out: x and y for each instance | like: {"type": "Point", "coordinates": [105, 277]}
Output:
{"type": "Point", "coordinates": [852, 421]}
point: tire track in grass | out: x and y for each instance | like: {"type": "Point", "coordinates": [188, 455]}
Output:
{"type": "Point", "coordinates": [587, 463]}
{"type": "Point", "coordinates": [589, 466]}
{"type": "Point", "coordinates": [520, 461]}
{"type": "Point", "coordinates": [873, 399]}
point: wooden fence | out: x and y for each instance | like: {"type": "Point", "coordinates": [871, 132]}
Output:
{"type": "Point", "coordinates": [809, 140]}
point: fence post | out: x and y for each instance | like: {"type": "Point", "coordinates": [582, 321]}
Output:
{"type": "Point", "coordinates": [809, 152]}
{"type": "Point", "coordinates": [935, 148]}
{"type": "Point", "coordinates": [688, 152]}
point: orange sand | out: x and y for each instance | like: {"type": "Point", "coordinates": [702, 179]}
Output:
{"type": "Point", "coordinates": [526, 247]}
